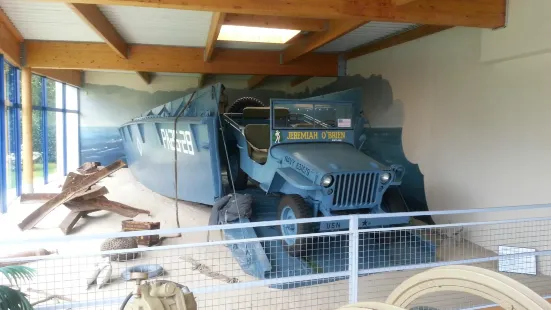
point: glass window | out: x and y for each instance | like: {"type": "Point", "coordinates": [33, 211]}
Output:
{"type": "Point", "coordinates": [71, 100]}
{"type": "Point", "coordinates": [49, 129]}
{"type": "Point", "coordinates": [59, 95]}
{"type": "Point", "coordinates": [13, 134]}
{"type": "Point", "coordinates": [73, 151]}
{"type": "Point", "coordinates": [51, 91]}
{"type": "Point", "coordinates": [313, 115]}
{"type": "Point", "coordinates": [38, 160]}
{"type": "Point", "coordinates": [13, 128]}
{"type": "Point", "coordinates": [54, 148]}
{"type": "Point", "coordinates": [36, 84]}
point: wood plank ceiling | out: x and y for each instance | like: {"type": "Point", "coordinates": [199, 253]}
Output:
{"type": "Point", "coordinates": [320, 22]}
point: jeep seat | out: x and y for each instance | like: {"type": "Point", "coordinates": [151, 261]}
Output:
{"type": "Point", "coordinates": [258, 140]}
{"type": "Point", "coordinates": [264, 113]}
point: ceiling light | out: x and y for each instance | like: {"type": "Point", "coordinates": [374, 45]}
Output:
{"type": "Point", "coordinates": [255, 34]}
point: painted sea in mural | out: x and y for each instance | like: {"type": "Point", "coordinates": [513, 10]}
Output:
{"type": "Point", "coordinates": [103, 144]}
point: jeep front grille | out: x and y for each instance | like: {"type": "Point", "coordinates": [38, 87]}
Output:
{"type": "Point", "coordinates": [355, 189]}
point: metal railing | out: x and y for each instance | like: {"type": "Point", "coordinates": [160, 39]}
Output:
{"type": "Point", "coordinates": [341, 267]}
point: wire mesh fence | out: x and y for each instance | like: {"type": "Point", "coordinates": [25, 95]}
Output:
{"type": "Point", "coordinates": [517, 248]}
{"type": "Point", "coordinates": [326, 271]}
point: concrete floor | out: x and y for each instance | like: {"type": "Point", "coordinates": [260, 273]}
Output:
{"type": "Point", "coordinates": [66, 276]}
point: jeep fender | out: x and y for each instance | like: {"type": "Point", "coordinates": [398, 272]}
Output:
{"type": "Point", "coordinates": [290, 176]}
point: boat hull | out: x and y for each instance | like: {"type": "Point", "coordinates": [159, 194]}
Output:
{"type": "Point", "coordinates": [178, 143]}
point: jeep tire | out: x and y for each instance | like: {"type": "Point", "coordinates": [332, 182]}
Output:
{"type": "Point", "coordinates": [245, 102]}
{"type": "Point", "coordinates": [300, 209]}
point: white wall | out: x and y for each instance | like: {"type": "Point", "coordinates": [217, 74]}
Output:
{"type": "Point", "coordinates": [477, 109]}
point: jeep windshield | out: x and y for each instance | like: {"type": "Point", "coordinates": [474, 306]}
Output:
{"type": "Point", "coordinates": [312, 115]}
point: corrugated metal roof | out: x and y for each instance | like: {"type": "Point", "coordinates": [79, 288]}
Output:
{"type": "Point", "coordinates": [251, 46]}
{"type": "Point", "coordinates": [47, 21]}
{"type": "Point", "coordinates": [369, 32]}
{"type": "Point", "coordinates": [159, 26]}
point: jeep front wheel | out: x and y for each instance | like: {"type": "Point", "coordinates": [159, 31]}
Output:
{"type": "Point", "coordinates": [293, 207]}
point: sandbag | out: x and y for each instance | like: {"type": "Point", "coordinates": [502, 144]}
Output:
{"type": "Point", "coordinates": [230, 208]}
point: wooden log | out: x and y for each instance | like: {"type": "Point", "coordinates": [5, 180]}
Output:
{"type": "Point", "coordinates": [103, 203]}
{"type": "Point", "coordinates": [88, 167]}
{"type": "Point", "coordinates": [67, 194]}
{"type": "Point", "coordinates": [71, 220]}
{"type": "Point", "coordinates": [44, 197]}
{"type": "Point", "coordinates": [36, 197]}
{"type": "Point", "coordinates": [93, 193]}
{"type": "Point", "coordinates": [37, 252]}
{"type": "Point", "coordinates": [72, 178]}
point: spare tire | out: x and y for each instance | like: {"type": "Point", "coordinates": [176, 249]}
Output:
{"type": "Point", "coordinates": [245, 102]}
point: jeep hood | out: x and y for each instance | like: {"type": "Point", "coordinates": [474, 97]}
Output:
{"type": "Point", "coordinates": [327, 157]}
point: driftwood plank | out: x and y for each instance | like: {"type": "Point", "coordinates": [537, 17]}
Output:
{"type": "Point", "coordinates": [37, 252]}
{"type": "Point", "coordinates": [93, 193]}
{"type": "Point", "coordinates": [71, 179]}
{"type": "Point", "coordinates": [67, 194]}
{"type": "Point", "coordinates": [103, 203]}
{"type": "Point", "coordinates": [44, 197]}
{"type": "Point", "coordinates": [36, 197]}
{"type": "Point", "coordinates": [89, 167]}
{"type": "Point", "coordinates": [70, 221]}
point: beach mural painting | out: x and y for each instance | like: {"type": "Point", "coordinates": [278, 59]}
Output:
{"type": "Point", "coordinates": [103, 109]}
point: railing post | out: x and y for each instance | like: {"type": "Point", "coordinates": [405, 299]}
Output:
{"type": "Point", "coordinates": [353, 253]}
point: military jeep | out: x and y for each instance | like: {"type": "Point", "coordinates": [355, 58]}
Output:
{"type": "Point", "coordinates": [308, 152]}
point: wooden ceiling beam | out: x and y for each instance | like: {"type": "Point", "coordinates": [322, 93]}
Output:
{"type": "Point", "coordinates": [255, 81]}
{"type": "Point", "coordinates": [4, 19]}
{"type": "Point", "coordinates": [157, 58]}
{"type": "Point", "coordinates": [91, 14]}
{"type": "Point", "coordinates": [403, 37]}
{"type": "Point", "coordinates": [472, 13]}
{"type": "Point", "coordinates": [201, 80]}
{"type": "Point", "coordinates": [311, 42]}
{"type": "Point", "coordinates": [71, 77]}
{"type": "Point", "coordinates": [214, 30]}
{"type": "Point", "coordinates": [299, 80]}
{"type": "Point", "coordinates": [10, 40]}
{"type": "Point", "coordinates": [145, 76]}
{"type": "Point", "coordinates": [403, 2]}
{"type": "Point", "coordinates": [295, 23]}
{"type": "Point", "coordinates": [10, 45]}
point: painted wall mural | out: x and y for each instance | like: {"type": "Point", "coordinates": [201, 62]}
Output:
{"type": "Point", "coordinates": [104, 109]}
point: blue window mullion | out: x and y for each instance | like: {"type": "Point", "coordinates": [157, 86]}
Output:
{"type": "Point", "coordinates": [3, 161]}
{"type": "Point", "coordinates": [78, 127]}
{"type": "Point", "coordinates": [44, 128]}
{"type": "Point", "coordinates": [16, 84]}
{"type": "Point", "coordinates": [64, 106]}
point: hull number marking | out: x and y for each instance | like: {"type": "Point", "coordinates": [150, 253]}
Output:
{"type": "Point", "coordinates": [182, 142]}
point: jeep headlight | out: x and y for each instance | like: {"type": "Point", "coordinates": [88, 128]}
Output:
{"type": "Point", "coordinates": [327, 181]}
{"type": "Point", "coordinates": [385, 177]}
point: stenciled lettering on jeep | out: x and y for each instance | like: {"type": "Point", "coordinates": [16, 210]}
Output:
{"type": "Point", "coordinates": [302, 168]}
{"type": "Point", "coordinates": [334, 135]}
{"type": "Point", "coordinates": [182, 142]}
{"type": "Point", "coordinates": [302, 135]}
{"type": "Point", "coordinates": [289, 161]}
{"type": "Point", "coordinates": [315, 135]}
{"type": "Point", "coordinates": [298, 166]}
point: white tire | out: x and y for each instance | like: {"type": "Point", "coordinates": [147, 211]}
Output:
{"type": "Point", "coordinates": [490, 285]}
{"type": "Point", "coordinates": [371, 306]}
